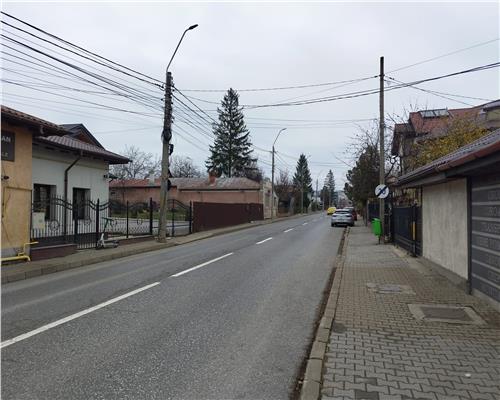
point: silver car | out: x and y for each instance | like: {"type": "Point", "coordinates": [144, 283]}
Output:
{"type": "Point", "coordinates": [342, 217]}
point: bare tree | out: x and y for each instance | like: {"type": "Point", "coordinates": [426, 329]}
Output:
{"type": "Point", "coordinates": [284, 185]}
{"type": "Point", "coordinates": [183, 167]}
{"type": "Point", "coordinates": [141, 165]}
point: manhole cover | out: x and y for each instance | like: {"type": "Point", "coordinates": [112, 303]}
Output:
{"type": "Point", "coordinates": [389, 288]}
{"type": "Point", "coordinates": [445, 313]}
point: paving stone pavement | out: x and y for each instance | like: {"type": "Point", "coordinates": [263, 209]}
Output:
{"type": "Point", "coordinates": [378, 350]}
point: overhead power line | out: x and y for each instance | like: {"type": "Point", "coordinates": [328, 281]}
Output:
{"type": "Point", "coordinates": [284, 87]}
{"type": "Point", "coordinates": [81, 48]}
{"type": "Point", "coordinates": [374, 90]}
{"type": "Point", "coordinates": [444, 55]}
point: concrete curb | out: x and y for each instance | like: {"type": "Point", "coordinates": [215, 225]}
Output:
{"type": "Point", "coordinates": [55, 265]}
{"type": "Point", "coordinates": [312, 383]}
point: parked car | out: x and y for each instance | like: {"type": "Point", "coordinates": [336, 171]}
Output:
{"type": "Point", "coordinates": [342, 217]}
{"type": "Point", "coordinates": [330, 210]}
{"type": "Point", "coordinates": [353, 212]}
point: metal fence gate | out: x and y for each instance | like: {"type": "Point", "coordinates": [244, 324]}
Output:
{"type": "Point", "coordinates": [407, 228]}
{"type": "Point", "coordinates": [56, 221]}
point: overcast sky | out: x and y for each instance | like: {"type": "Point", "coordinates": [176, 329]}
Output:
{"type": "Point", "coordinates": [254, 45]}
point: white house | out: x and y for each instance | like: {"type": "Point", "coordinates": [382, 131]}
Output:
{"type": "Point", "coordinates": [74, 167]}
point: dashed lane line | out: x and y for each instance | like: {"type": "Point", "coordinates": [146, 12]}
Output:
{"type": "Point", "coordinates": [201, 265]}
{"type": "Point", "coordinates": [265, 240]}
{"type": "Point", "coordinates": [288, 230]}
{"type": "Point", "coordinates": [73, 316]}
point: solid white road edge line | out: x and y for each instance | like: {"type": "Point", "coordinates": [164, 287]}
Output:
{"type": "Point", "coordinates": [201, 265]}
{"type": "Point", "coordinates": [74, 316]}
{"type": "Point", "coordinates": [265, 240]}
{"type": "Point", "coordinates": [288, 230]}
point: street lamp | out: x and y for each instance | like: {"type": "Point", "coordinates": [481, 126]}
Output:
{"type": "Point", "coordinates": [166, 136]}
{"type": "Point", "coordinates": [272, 175]}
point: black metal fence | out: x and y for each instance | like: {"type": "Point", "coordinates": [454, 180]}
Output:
{"type": "Point", "coordinates": [407, 228]}
{"type": "Point", "coordinates": [56, 221]}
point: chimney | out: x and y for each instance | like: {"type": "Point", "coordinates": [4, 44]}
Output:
{"type": "Point", "coordinates": [212, 176]}
{"type": "Point", "coordinates": [151, 180]}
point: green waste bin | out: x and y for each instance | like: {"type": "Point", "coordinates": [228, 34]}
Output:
{"type": "Point", "coordinates": [376, 227]}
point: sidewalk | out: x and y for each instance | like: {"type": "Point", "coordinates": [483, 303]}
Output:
{"type": "Point", "coordinates": [379, 350]}
{"type": "Point", "coordinates": [26, 270]}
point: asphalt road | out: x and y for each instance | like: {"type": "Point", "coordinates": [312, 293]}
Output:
{"type": "Point", "coordinates": [225, 317]}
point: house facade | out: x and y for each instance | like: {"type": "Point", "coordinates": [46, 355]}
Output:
{"type": "Point", "coordinates": [460, 203]}
{"type": "Point", "coordinates": [43, 161]}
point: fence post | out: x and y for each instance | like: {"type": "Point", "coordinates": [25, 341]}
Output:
{"type": "Point", "coordinates": [173, 215]}
{"type": "Point", "coordinates": [97, 224]}
{"type": "Point", "coordinates": [126, 210]}
{"type": "Point", "coordinates": [414, 229]}
{"type": "Point", "coordinates": [151, 216]}
{"type": "Point", "coordinates": [75, 223]}
{"type": "Point", "coordinates": [190, 217]}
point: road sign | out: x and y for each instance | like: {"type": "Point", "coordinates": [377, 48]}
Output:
{"type": "Point", "coordinates": [382, 191]}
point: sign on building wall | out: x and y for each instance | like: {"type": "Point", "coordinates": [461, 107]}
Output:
{"type": "Point", "coordinates": [8, 146]}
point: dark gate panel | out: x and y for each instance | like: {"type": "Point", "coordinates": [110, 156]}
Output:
{"type": "Point", "coordinates": [485, 235]}
{"type": "Point", "coordinates": [407, 225]}
{"type": "Point", "coordinates": [217, 215]}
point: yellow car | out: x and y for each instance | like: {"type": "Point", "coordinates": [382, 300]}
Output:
{"type": "Point", "coordinates": [330, 210]}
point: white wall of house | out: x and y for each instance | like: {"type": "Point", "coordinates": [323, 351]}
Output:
{"type": "Point", "coordinates": [444, 225]}
{"type": "Point", "coordinates": [49, 166]}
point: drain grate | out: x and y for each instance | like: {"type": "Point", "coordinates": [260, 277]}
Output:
{"type": "Point", "coordinates": [445, 313]}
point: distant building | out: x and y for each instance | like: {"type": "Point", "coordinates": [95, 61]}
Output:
{"type": "Point", "coordinates": [431, 124]}
{"type": "Point", "coordinates": [204, 190]}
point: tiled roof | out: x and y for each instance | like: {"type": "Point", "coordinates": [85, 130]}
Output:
{"type": "Point", "coordinates": [193, 183]}
{"type": "Point", "coordinates": [481, 147]}
{"type": "Point", "coordinates": [49, 127]}
{"type": "Point", "coordinates": [70, 143]}
{"type": "Point", "coordinates": [80, 130]}
{"type": "Point", "coordinates": [433, 125]}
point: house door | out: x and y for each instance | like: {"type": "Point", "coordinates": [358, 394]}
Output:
{"type": "Point", "coordinates": [485, 236]}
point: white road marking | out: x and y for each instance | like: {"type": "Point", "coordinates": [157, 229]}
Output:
{"type": "Point", "coordinates": [265, 240]}
{"type": "Point", "coordinates": [201, 265]}
{"type": "Point", "coordinates": [288, 230]}
{"type": "Point", "coordinates": [305, 223]}
{"type": "Point", "coordinates": [72, 317]}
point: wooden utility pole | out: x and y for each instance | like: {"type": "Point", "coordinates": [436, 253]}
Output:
{"type": "Point", "coordinates": [272, 187]}
{"type": "Point", "coordinates": [382, 145]}
{"type": "Point", "coordinates": [166, 136]}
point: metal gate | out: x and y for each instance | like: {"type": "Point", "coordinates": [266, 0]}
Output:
{"type": "Point", "coordinates": [407, 228]}
{"type": "Point", "coordinates": [56, 221]}
{"type": "Point", "coordinates": [485, 235]}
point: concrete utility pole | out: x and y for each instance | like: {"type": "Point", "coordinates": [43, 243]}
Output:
{"type": "Point", "coordinates": [382, 145]}
{"type": "Point", "coordinates": [316, 197]}
{"type": "Point", "coordinates": [166, 136]}
{"type": "Point", "coordinates": [272, 176]}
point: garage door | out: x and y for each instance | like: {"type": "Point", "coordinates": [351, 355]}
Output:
{"type": "Point", "coordinates": [485, 236]}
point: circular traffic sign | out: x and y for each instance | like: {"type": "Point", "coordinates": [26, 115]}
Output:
{"type": "Point", "coordinates": [382, 191]}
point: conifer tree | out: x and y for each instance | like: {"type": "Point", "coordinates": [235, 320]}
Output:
{"type": "Point", "coordinates": [302, 182]}
{"type": "Point", "coordinates": [231, 153]}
